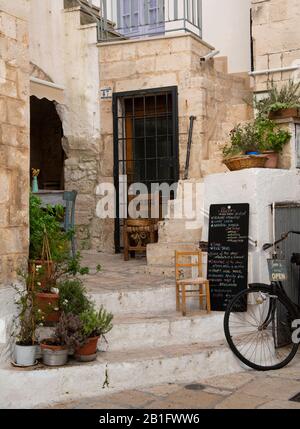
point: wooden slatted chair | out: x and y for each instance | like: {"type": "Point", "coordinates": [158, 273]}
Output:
{"type": "Point", "coordinates": [190, 287]}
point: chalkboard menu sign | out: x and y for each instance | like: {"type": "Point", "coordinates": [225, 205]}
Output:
{"type": "Point", "coordinates": [227, 253]}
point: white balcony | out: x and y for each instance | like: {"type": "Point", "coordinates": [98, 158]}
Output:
{"type": "Point", "coordinates": [146, 18]}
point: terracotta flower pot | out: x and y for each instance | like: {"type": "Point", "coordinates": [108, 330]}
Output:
{"type": "Point", "coordinates": [292, 112]}
{"type": "Point", "coordinates": [272, 161]}
{"type": "Point", "coordinates": [47, 303]}
{"type": "Point", "coordinates": [54, 355]}
{"type": "Point", "coordinates": [46, 267]}
{"type": "Point", "coordinates": [88, 352]}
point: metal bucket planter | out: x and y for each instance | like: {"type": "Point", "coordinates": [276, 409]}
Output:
{"type": "Point", "coordinates": [25, 355]}
{"type": "Point", "coordinates": [88, 352]}
{"type": "Point", "coordinates": [54, 355]}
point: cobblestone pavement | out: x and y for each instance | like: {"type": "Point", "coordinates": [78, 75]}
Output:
{"type": "Point", "coordinates": [245, 390]}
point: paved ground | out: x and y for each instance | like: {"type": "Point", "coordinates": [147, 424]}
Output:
{"type": "Point", "coordinates": [118, 275]}
{"type": "Point", "coordinates": [245, 390]}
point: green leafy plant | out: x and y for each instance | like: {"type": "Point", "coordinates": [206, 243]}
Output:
{"type": "Point", "coordinates": [261, 135]}
{"type": "Point", "coordinates": [243, 138]}
{"type": "Point", "coordinates": [45, 219]}
{"type": "Point", "coordinates": [72, 297]}
{"type": "Point", "coordinates": [285, 97]}
{"type": "Point", "coordinates": [96, 323]}
{"type": "Point", "coordinates": [272, 138]}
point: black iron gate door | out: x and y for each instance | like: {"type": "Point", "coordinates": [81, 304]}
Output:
{"type": "Point", "coordinates": [145, 143]}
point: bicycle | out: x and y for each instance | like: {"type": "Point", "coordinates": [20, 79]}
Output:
{"type": "Point", "coordinates": [258, 322]}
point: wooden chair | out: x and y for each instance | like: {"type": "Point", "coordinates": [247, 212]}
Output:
{"type": "Point", "coordinates": [189, 287]}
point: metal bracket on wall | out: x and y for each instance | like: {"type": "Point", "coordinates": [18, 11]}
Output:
{"type": "Point", "coordinates": [188, 154]}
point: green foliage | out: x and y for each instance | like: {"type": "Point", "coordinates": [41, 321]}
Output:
{"type": "Point", "coordinates": [72, 297]}
{"type": "Point", "coordinates": [260, 135]}
{"type": "Point", "coordinates": [96, 323]}
{"type": "Point", "coordinates": [286, 97]}
{"type": "Point", "coordinates": [74, 267]}
{"type": "Point", "coordinates": [243, 138]}
{"type": "Point", "coordinates": [45, 219]}
{"type": "Point", "coordinates": [29, 316]}
{"type": "Point", "coordinates": [68, 332]}
{"type": "Point", "coordinates": [272, 138]}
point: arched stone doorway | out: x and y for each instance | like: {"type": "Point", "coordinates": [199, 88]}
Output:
{"type": "Point", "coordinates": [46, 151]}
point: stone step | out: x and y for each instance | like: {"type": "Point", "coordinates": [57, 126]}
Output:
{"type": "Point", "coordinates": [179, 231]}
{"type": "Point", "coordinates": [166, 329]}
{"type": "Point", "coordinates": [161, 270]}
{"type": "Point", "coordinates": [164, 253]}
{"type": "Point", "coordinates": [114, 371]}
{"type": "Point", "coordinates": [142, 300]}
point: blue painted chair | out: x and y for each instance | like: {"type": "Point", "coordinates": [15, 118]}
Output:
{"type": "Point", "coordinates": [69, 221]}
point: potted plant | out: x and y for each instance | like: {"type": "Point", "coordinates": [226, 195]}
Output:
{"type": "Point", "coordinates": [28, 318]}
{"type": "Point", "coordinates": [46, 294]}
{"type": "Point", "coordinates": [68, 335]}
{"type": "Point", "coordinates": [244, 149]}
{"type": "Point", "coordinates": [47, 240]}
{"type": "Point", "coordinates": [94, 325]}
{"type": "Point", "coordinates": [72, 297]}
{"type": "Point", "coordinates": [283, 102]}
{"type": "Point", "coordinates": [272, 140]}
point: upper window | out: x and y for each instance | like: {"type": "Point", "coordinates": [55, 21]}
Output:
{"type": "Point", "coordinates": [142, 17]}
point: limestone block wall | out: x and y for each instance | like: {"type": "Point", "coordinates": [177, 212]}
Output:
{"type": "Point", "coordinates": [14, 156]}
{"type": "Point", "coordinates": [276, 34]}
{"type": "Point", "coordinates": [205, 90]}
{"type": "Point", "coordinates": [81, 119]}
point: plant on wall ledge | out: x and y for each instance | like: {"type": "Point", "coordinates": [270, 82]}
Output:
{"type": "Point", "coordinates": [255, 144]}
{"type": "Point", "coordinates": [280, 102]}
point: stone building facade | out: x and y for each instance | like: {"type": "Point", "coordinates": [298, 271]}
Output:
{"type": "Point", "coordinates": [205, 90]}
{"type": "Point", "coordinates": [276, 35]}
{"type": "Point", "coordinates": [40, 64]}
{"type": "Point", "coordinates": [14, 154]}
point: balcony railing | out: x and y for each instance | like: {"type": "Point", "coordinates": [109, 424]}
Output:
{"type": "Point", "coordinates": [145, 18]}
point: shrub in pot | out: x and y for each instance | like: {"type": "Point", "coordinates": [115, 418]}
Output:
{"type": "Point", "coordinates": [68, 335]}
{"type": "Point", "coordinates": [281, 102]}
{"type": "Point", "coordinates": [72, 296]}
{"type": "Point", "coordinates": [272, 140]}
{"type": "Point", "coordinates": [45, 230]}
{"type": "Point", "coordinates": [95, 324]}
{"type": "Point", "coordinates": [244, 148]}
{"type": "Point", "coordinates": [28, 318]}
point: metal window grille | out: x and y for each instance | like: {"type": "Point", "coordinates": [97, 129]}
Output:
{"type": "Point", "coordinates": [145, 143]}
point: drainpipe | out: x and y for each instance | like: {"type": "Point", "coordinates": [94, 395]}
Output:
{"type": "Point", "coordinates": [276, 70]}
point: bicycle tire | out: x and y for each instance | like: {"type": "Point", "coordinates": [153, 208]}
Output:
{"type": "Point", "coordinates": [291, 311]}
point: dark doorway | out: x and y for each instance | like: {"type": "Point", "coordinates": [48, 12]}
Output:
{"type": "Point", "coordinates": [46, 152]}
{"type": "Point", "coordinates": [145, 142]}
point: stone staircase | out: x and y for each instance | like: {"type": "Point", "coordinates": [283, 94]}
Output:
{"type": "Point", "coordinates": [180, 230]}
{"type": "Point", "coordinates": [150, 344]}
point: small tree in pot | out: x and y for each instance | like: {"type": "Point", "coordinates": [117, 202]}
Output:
{"type": "Point", "coordinates": [28, 318]}
{"type": "Point", "coordinates": [68, 335]}
{"type": "Point", "coordinates": [95, 324]}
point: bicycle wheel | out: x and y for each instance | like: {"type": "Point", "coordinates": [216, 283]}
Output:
{"type": "Point", "coordinates": [261, 336]}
